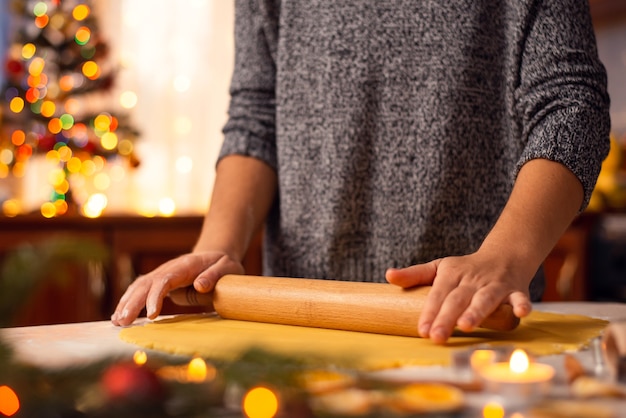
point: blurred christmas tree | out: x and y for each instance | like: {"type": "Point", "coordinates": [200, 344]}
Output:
{"type": "Point", "coordinates": [57, 76]}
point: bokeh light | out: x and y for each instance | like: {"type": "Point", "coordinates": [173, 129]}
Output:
{"type": "Point", "coordinates": [18, 137]}
{"type": "Point", "coordinates": [36, 66]}
{"type": "Point", "coordinates": [48, 108]}
{"type": "Point", "coordinates": [6, 156]}
{"type": "Point", "coordinates": [80, 12]}
{"type": "Point", "coordinates": [42, 21]}
{"type": "Point", "coordinates": [128, 100]}
{"type": "Point", "coordinates": [140, 357]}
{"type": "Point", "coordinates": [9, 401]}
{"type": "Point", "coordinates": [16, 104]}
{"type": "Point", "coordinates": [40, 9]}
{"type": "Point", "coordinates": [260, 402]}
{"type": "Point", "coordinates": [28, 51]}
{"type": "Point", "coordinates": [55, 125]}
{"type": "Point", "coordinates": [83, 34]}
{"type": "Point", "coordinates": [493, 410]}
{"type": "Point", "coordinates": [167, 206]}
{"type": "Point", "coordinates": [11, 208]}
{"type": "Point", "coordinates": [48, 210]}
{"type": "Point", "coordinates": [109, 141]}
{"type": "Point", "coordinates": [95, 205]}
{"type": "Point", "coordinates": [91, 70]}
{"type": "Point", "coordinates": [102, 122]}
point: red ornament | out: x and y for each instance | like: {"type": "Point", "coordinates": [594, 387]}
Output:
{"type": "Point", "coordinates": [131, 383]}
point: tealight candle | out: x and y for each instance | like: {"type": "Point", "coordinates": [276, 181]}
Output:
{"type": "Point", "coordinates": [518, 380]}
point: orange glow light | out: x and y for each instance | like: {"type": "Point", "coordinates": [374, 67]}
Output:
{"type": "Point", "coordinates": [16, 105]}
{"type": "Point", "coordinates": [83, 34]}
{"type": "Point", "coordinates": [9, 402]}
{"type": "Point", "coordinates": [32, 95]}
{"type": "Point", "coordinates": [66, 83]}
{"type": "Point", "coordinates": [36, 66]}
{"type": "Point", "coordinates": [55, 125]}
{"type": "Point", "coordinates": [260, 402]}
{"type": "Point", "coordinates": [91, 70]}
{"type": "Point", "coordinates": [196, 370]}
{"type": "Point", "coordinates": [42, 21]}
{"type": "Point", "coordinates": [18, 137]}
{"type": "Point", "coordinates": [80, 12]}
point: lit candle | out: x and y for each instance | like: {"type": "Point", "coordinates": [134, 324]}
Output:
{"type": "Point", "coordinates": [519, 380]}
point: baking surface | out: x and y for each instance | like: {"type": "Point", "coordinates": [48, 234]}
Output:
{"type": "Point", "coordinates": [74, 344]}
{"type": "Point", "coordinates": [209, 336]}
{"type": "Point", "coordinates": [69, 344]}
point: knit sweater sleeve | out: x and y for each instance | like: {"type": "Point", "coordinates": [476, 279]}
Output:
{"type": "Point", "coordinates": [250, 129]}
{"type": "Point", "coordinates": [562, 96]}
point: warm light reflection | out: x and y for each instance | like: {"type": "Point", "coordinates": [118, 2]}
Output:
{"type": "Point", "coordinates": [493, 410]}
{"type": "Point", "coordinates": [481, 358]}
{"type": "Point", "coordinates": [167, 206]}
{"type": "Point", "coordinates": [197, 370]}
{"type": "Point", "coordinates": [260, 402]}
{"type": "Point", "coordinates": [140, 357]}
{"type": "Point", "coordinates": [9, 402]}
{"type": "Point", "coordinates": [48, 210]}
{"type": "Point", "coordinates": [95, 205]}
{"type": "Point", "coordinates": [11, 207]}
{"type": "Point", "coordinates": [519, 361]}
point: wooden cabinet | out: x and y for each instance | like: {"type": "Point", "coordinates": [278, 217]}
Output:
{"type": "Point", "coordinates": [135, 245]}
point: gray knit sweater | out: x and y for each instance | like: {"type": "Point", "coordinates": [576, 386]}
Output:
{"type": "Point", "coordinates": [397, 127]}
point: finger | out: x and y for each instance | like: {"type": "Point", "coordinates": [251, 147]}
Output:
{"type": "Point", "coordinates": [205, 282]}
{"type": "Point", "coordinates": [483, 303]}
{"type": "Point", "coordinates": [432, 306]}
{"type": "Point", "coordinates": [159, 290]}
{"type": "Point", "coordinates": [521, 304]}
{"type": "Point", "coordinates": [131, 303]}
{"type": "Point", "coordinates": [419, 274]}
{"type": "Point", "coordinates": [445, 319]}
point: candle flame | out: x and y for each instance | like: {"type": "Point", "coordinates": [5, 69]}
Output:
{"type": "Point", "coordinates": [519, 361]}
{"type": "Point", "coordinates": [196, 370]}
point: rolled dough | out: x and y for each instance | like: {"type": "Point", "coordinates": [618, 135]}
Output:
{"type": "Point", "coordinates": [209, 336]}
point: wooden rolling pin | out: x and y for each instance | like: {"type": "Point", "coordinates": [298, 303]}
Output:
{"type": "Point", "coordinates": [380, 308]}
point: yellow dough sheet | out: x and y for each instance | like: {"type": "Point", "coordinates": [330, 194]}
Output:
{"type": "Point", "coordinates": [209, 336]}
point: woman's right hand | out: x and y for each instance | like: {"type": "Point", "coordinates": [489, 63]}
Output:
{"type": "Point", "coordinates": [200, 269]}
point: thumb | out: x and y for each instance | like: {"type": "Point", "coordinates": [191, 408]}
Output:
{"type": "Point", "coordinates": [417, 275]}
